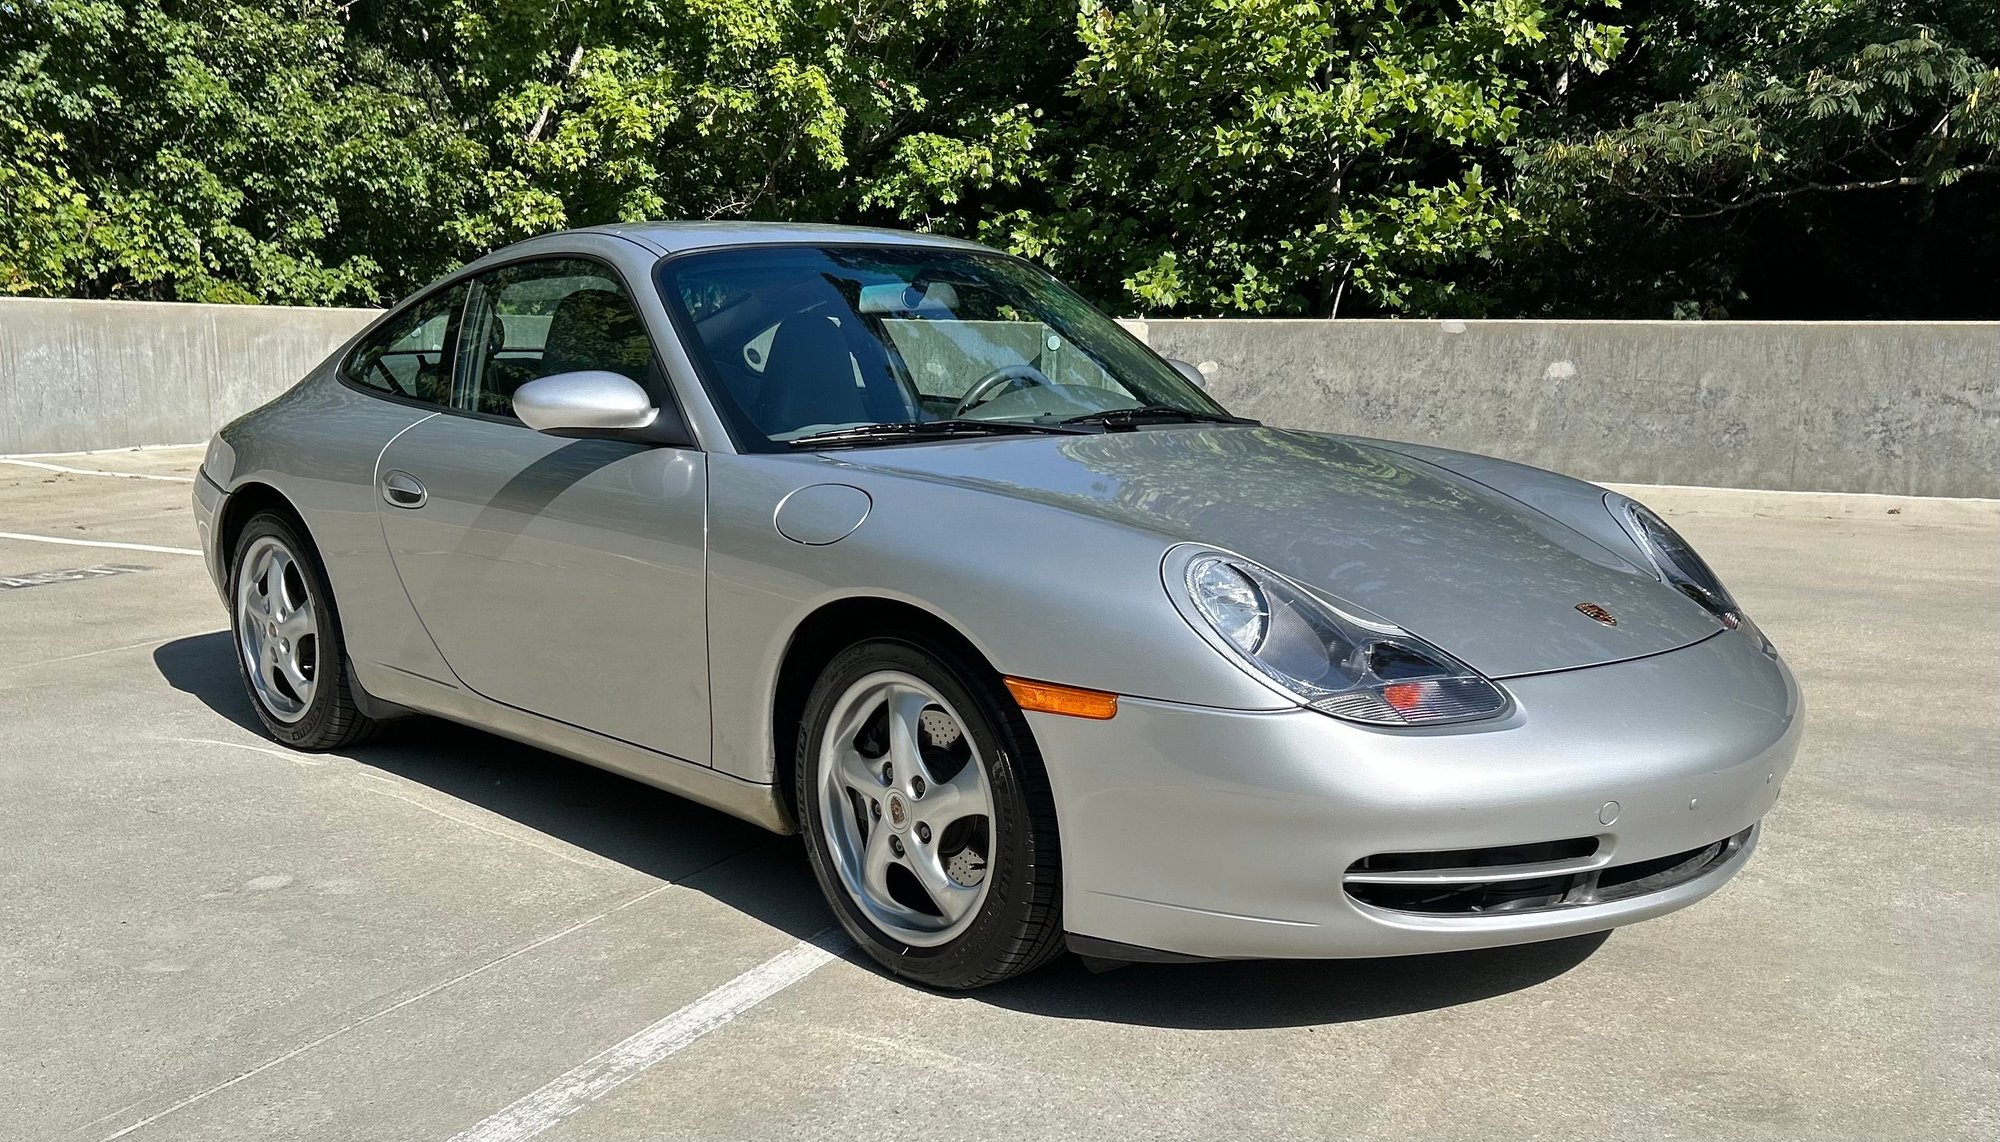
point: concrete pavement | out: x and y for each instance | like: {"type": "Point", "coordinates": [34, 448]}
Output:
{"type": "Point", "coordinates": [207, 936]}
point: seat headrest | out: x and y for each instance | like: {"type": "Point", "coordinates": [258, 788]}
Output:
{"type": "Point", "coordinates": [596, 329]}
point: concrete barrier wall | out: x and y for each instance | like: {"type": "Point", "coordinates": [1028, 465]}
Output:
{"type": "Point", "coordinates": [1903, 408]}
{"type": "Point", "coordinates": [76, 375]}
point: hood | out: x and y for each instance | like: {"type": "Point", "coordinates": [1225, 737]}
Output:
{"type": "Point", "coordinates": [1472, 571]}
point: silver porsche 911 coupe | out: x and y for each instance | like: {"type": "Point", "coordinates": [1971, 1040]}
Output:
{"type": "Point", "coordinates": [894, 541]}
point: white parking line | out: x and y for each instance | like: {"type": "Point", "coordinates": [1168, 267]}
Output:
{"type": "Point", "coordinates": [99, 543]}
{"type": "Point", "coordinates": [96, 471]}
{"type": "Point", "coordinates": [127, 450]}
{"type": "Point", "coordinates": [389, 1010]}
{"type": "Point", "coordinates": [620, 1064]}
{"type": "Point", "coordinates": [36, 665]}
{"type": "Point", "coordinates": [308, 760]}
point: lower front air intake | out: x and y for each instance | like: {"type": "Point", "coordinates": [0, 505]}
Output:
{"type": "Point", "coordinates": [1523, 878]}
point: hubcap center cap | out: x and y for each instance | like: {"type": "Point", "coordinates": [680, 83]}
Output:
{"type": "Point", "coordinates": [898, 811]}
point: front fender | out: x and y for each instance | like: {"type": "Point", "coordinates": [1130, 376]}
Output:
{"type": "Point", "coordinates": [1041, 592]}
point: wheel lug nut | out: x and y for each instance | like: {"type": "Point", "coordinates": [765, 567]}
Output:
{"type": "Point", "coordinates": [917, 786]}
{"type": "Point", "coordinates": [896, 845]}
{"type": "Point", "coordinates": [888, 774]}
{"type": "Point", "coordinates": [875, 810]}
{"type": "Point", "coordinates": [923, 832]}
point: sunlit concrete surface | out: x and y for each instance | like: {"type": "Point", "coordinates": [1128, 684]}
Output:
{"type": "Point", "coordinates": [207, 936]}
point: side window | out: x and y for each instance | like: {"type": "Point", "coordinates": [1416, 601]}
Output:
{"type": "Point", "coordinates": [411, 355]}
{"type": "Point", "coordinates": [538, 319]}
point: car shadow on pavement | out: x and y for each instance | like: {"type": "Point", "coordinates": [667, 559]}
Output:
{"type": "Point", "coordinates": [204, 665]}
{"type": "Point", "coordinates": [622, 820]}
{"type": "Point", "coordinates": [767, 878]}
{"type": "Point", "coordinates": [1245, 994]}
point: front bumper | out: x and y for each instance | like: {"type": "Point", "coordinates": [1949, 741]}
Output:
{"type": "Point", "coordinates": [1217, 833]}
{"type": "Point", "coordinates": [208, 496]}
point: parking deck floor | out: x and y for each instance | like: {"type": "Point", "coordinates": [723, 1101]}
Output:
{"type": "Point", "coordinates": [444, 934]}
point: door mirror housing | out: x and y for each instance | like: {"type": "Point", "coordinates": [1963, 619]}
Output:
{"type": "Point", "coordinates": [587, 401]}
{"type": "Point", "coordinates": [1192, 374]}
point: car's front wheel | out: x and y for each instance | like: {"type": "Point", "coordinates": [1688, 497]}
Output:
{"type": "Point", "coordinates": [928, 816]}
{"type": "Point", "coordinates": [287, 635]}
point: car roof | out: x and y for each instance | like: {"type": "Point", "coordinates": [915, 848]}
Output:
{"type": "Point", "coordinates": [674, 237]}
{"type": "Point", "coordinates": [661, 239]}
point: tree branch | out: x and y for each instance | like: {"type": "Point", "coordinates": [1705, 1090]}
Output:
{"type": "Point", "coordinates": [1745, 203]}
{"type": "Point", "coordinates": [799, 128]}
{"type": "Point", "coordinates": [549, 105]}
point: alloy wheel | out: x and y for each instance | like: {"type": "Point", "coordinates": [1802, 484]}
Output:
{"type": "Point", "coordinates": [277, 633]}
{"type": "Point", "coordinates": [907, 808]}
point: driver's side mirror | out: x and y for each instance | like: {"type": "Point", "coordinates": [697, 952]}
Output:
{"type": "Point", "coordinates": [1192, 374]}
{"type": "Point", "coordinates": [590, 400]}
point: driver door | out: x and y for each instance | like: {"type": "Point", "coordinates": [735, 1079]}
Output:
{"type": "Point", "coordinates": [564, 577]}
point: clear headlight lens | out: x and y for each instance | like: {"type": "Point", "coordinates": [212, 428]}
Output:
{"type": "Point", "coordinates": [1230, 602]}
{"type": "Point", "coordinates": [1675, 560]}
{"type": "Point", "coordinates": [1340, 665]}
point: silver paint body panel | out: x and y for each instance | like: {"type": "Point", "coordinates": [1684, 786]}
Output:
{"type": "Point", "coordinates": [630, 606]}
{"type": "Point", "coordinates": [1446, 558]}
{"type": "Point", "coordinates": [561, 576]}
{"type": "Point", "coordinates": [1219, 833]}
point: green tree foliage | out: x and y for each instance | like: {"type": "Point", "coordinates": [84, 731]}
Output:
{"type": "Point", "coordinates": [226, 153]}
{"type": "Point", "coordinates": [1274, 156]}
{"type": "Point", "coordinates": [1779, 158]}
{"type": "Point", "coordinates": [1191, 156]}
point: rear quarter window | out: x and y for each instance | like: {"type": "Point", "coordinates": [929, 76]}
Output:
{"type": "Point", "coordinates": [411, 355]}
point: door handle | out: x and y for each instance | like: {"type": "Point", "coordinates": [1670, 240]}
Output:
{"type": "Point", "coordinates": [403, 490]}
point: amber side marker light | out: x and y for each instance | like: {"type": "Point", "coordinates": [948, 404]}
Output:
{"type": "Point", "coordinates": [1071, 700]}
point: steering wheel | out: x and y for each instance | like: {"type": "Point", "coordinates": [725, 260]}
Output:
{"type": "Point", "coordinates": [1018, 375]}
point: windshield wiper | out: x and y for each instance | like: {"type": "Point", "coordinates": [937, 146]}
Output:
{"type": "Point", "coordinates": [916, 430]}
{"type": "Point", "coordinates": [1154, 414]}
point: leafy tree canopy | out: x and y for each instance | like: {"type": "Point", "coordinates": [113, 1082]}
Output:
{"type": "Point", "coordinates": [1668, 157]}
{"type": "Point", "coordinates": [1779, 158]}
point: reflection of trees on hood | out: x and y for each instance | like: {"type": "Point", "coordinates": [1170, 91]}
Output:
{"type": "Point", "coordinates": [1329, 510]}
{"type": "Point", "coordinates": [1306, 489]}
{"type": "Point", "coordinates": [1268, 469]}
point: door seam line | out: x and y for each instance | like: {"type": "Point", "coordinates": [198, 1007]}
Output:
{"type": "Point", "coordinates": [395, 568]}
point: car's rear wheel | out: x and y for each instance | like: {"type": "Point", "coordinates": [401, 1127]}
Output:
{"type": "Point", "coordinates": [287, 636]}
{"type": "Point", "coordinates": [928, 816]}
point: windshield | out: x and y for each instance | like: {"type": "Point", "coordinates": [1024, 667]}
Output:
{"type": "Point", "coordinates": [799, 341]}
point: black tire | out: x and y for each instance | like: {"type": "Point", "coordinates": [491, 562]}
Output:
{"type": "Point", "coordinates": [331, 719]}
{"type": "Point", "coordinates": [1018, 927]}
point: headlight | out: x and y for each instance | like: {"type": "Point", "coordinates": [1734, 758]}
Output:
{"type": "Point", "coordinates": [1676, 562]}
{"type": "Point", "coordinates": [1337, 664]}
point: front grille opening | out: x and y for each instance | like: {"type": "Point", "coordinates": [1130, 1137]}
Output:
{"type": "Point", "coordinates": [1445, 899]}
{"type": "Point", "coordinates": [1576, 848]}
{"type": "Point", "coordinates": [1645, 876]}
{"type": "Point", "coordinates": [1566, 890]}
